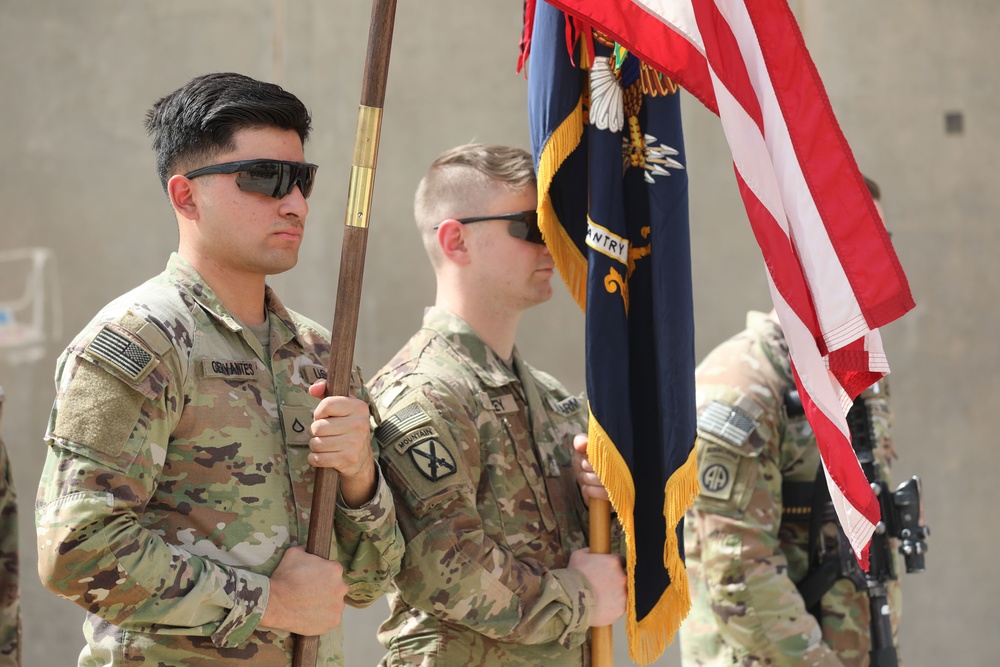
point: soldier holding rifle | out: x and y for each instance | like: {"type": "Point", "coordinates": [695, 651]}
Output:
{"type": "Point", "coordinates": [773, 579]}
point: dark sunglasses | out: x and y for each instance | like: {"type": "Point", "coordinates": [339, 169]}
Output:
{"type": "Point", "coordinates": [274, 178]}
{"type": "Point", "coordinates": [523, 225]}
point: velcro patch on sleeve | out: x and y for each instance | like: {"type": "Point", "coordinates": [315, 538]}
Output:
{"type": "Point", "coordinates": [118, 349]}
{"type": "Point", "coordinates": [98, 410]}
{"type": "Point", "coordinates": [727, 422]}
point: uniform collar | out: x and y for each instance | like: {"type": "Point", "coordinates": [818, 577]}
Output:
{"type": "Point", "coordinates": [181, 271]}
{"type": "Point", "coordinates": [466, 343]}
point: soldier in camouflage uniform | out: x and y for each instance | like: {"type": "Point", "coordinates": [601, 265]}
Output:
{"type": "Point", "coordinates": [484, 452]}
{"type": "Point", "coordinates": [747, 536]}
{"type": "Point", "coordinates": [10, 597]}
{"type": "Point", "coordinates": [177, 488]}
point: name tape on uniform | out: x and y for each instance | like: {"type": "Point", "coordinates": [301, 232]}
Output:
{"type": "Point", "coordinates": [230, 369]}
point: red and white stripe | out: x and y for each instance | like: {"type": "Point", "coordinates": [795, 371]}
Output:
{"type": "Point", "coordinates": [833, 275]}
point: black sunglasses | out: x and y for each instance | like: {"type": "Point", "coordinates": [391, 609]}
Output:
{"type": "Point", "coordinates": [274, 178]}
{"type": "Point", "coordinates": [523, 225]}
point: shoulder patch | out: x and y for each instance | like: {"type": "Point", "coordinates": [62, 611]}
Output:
{"type": "Point", "coordinates": [402, 423]}
{"type": "Point", "coordinates": [717, 470]}
{"type": "Point", "coordinates": [419, 449]}
{"type": "Point", "coordinates": [98, 410]}
{"type": "Point", "coordinates": [728, 422]}
{"type": "Point", "coordinates": [116, 348]}
{"type": "Point", "coordinates": [567, 406]}
{"type": "Point", "coordinates": [432, 459]}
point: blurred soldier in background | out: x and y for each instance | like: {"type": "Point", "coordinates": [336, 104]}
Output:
{"type": "Point", "coordinates": [10, 598]}
{"type": "Point", "coordinates": [763, 524]}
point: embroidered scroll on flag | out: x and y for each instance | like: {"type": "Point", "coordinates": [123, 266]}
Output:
{"type": "Point", "coordinates": [607, 141]}
{"type": "Point", "coordinates": [833, 274]}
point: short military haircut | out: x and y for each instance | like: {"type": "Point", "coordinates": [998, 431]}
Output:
{"type": "Point", "coordinates": [201, 118]}
{"type": "Point", "coordinates": [462, 180]}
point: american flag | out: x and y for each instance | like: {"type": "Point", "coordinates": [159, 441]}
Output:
{"type": "Point", "coordinates": [833, 274]}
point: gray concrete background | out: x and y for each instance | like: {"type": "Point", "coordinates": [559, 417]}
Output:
{"type": "Point", "coordinates": [77, 177]}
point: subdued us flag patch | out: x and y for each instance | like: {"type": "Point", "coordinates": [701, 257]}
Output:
{"type": "Point", "coordinates": [121, 352]}
{"type": "Point", "coordinates": [400, 423]}
{"type": "Point", "coordinates": [728, 422]}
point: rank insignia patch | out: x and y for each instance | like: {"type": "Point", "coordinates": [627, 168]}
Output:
{"type": "Point", "coordinates": [118, 350]}
{"type": "Point", "coordinates": [433, 459]}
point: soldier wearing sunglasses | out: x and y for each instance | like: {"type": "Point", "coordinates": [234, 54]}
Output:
{"type": "Point", "coordinates": [484, 453]}
{"type": "Point", "coordinates": [180, 466]}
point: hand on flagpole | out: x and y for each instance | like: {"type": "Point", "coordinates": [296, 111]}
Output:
{"type": "Point", "coordinates": [606, 576]}
{"type": "Point", "coordinates": [590, 484]}
{"type": "Point", "coordinates": [341, 440]}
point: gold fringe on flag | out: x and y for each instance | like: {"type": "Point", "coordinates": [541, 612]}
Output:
{"type": "Point", "coordinates": [649, 637]}
{"type": "Point", "coordinates": [571, 262]}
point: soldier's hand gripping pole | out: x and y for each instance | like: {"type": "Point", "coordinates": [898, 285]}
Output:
{"type": "Point", "coordinates": [352, 265]}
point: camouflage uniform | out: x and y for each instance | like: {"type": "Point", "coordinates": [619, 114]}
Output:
{"type": "Point", "coordinates": [10, 608]}
{"type": "Point", "coordinates": [177, 476]}
{"type": "Point", "coordinates": [745, 549]}
{"type": "Point", "coordinates": [479, 457]}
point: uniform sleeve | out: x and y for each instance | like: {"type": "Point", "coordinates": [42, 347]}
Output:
{"type": "Point", "coordinates": [370, 545]}
{"type": "Point", "coordinates": [10, 614]}
{"type": "Point", "coordinates": [369, 542]}
{"type": "Point", "coordinates": [108, 433]}
{"type": "Point", "coordinates": [756, 606]}
{"type": "Point", "coordinates": [452, 569]}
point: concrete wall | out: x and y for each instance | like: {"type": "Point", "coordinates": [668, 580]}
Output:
{"type": "Point", "coordinates": [76, 176]}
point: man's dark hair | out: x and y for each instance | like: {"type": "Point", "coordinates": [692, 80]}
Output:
{"type": "Point", "coordinates": [873, 189]}
{"type": "Point", "coordinates": [200, 119]}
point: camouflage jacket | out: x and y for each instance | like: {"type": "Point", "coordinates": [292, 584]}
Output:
{"type": "Point", "coordinates": [177, 476]}
{"type": "Point", "coordinates": [10, 609]}
{"type": "Point", "coordinates": [745, 549]}
{"type": "Point", "coordinates": [479, 457]}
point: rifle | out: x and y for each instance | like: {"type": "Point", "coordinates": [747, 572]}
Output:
{"type": "Point", "coordinates": [901, 519]}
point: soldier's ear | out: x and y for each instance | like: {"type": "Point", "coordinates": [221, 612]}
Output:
{"type": "Point", "coordinates": [183, 196]}
{"type": "Point", "coordinates": [452, 239]}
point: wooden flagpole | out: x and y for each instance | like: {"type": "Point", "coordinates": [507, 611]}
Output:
{"type": "Point", "coordinates": [352, 265]}
{"type": "Point", "coordinates": [601, 639]}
